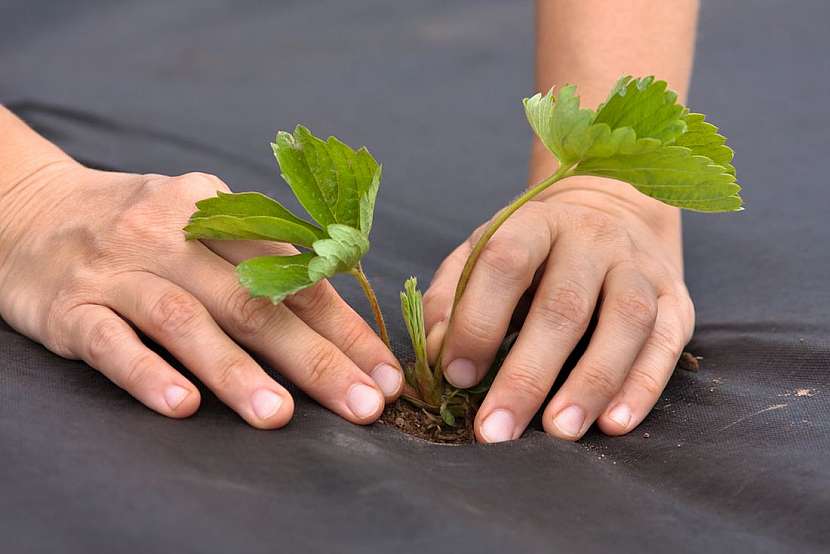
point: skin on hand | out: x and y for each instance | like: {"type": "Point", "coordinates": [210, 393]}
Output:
{"type": "Point", "coordinates": [585, 245]}
{"type": "Point", "coordinates": [578, 249]}
{"type": "Point", "coordinates": [87, 257]}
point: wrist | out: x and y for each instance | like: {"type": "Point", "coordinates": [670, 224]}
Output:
{"type": "Point", "coordinates": [23, 154]}
{"type": "Point", "coordinates": [605, 194]}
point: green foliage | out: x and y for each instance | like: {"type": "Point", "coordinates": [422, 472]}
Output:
{"type": "Point", "coordinates": [447, 415]}
{"type": "Point", "coordinates": [336, 185]}
{"type": "Point", "coordinates": [640, 135]}
{"type": "Point", "coordinates": [643, 136]}
{"type": "Point", "coordinates": [412, 309]}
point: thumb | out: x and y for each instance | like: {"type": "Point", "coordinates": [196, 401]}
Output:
{"type": "Point", "coordinates": [439, 296]}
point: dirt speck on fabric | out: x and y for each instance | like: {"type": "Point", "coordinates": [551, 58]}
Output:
{"type": "Point", "coordinates": [689, 362]}
{"type": "Point", "coordinates": [800, 393]}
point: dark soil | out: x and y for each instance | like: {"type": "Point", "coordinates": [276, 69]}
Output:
{"type": "Point", "coordinates": [689, 362]}
{"type": "Point", "coordinates": [427, 426]}
{"type": "Point", "coordinates": [422, 424]}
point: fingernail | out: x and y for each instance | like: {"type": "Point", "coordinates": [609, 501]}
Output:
{"type": "Point", "coordinates": [266, 403]}
{"type": "Point", "coordinates": [461, 373]}
{"type": "Point", "coordinates": [570, 420]}
{"type": "Point", "coordinates": [387, 378]}
{"type": "Point", "coordinates": [621, 415]}
{"type": "Point", "coordinates": [363, 400]}
{"type": "Point", "coordinates": [174, 395]}
{"type": "Point", "coordinates": [499, 426]}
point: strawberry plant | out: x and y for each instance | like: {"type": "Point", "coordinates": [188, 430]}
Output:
{"type": "Point", "coordinates": [640, 135]}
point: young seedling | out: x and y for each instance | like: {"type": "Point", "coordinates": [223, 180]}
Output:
{"type": "Point", "coordinates": [640, 135]}
{"type": "Point", "coordinates": [336, 185]}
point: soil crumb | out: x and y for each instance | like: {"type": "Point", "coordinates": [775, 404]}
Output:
{"type": "Point", "coordinates": [689, 362]}
{"type": "Point", "coordinates": [426, 426]}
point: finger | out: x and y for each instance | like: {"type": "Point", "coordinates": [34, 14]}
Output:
{"type": "Point", "coordinates": [504, 271]}
{"type": "Point", "coordinates": [107, 343]}
{"type": "Point", "coordinates": [626, 320]}
{"type": "Point", "coordinates": [322, 309]}
{"type": "Point", "coordinates": [652, 369]}
{"type": "Point", "coordinates": [558, 317]}
{"type": "Point", "coordinates": [181, 324]}
{"type": "Point", "coordinates": [438, 297]}
{"type": "Point", "coordinates": [307, 359]}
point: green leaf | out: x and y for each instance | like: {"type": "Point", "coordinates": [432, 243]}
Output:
{"type": "Point", "coordinates": [339, 253]}
{"type": "Point", "coordinates": [702, 138]}
{"type": "Point", "coordinates": [245, 204]}
{"type": "Point", "coordinates": [251, 216]}
{"type": "Point", "coordinates": [332, 181]}
{"type": "Point", "coordinates": [672, 174]}
{"type": "Point", "coordinates": [560, 124]}
{"type": "Point", "coordinates": [225, 227]}
{"type": "Point", "coordinates": [275, 277]}
{"type": "Point", "coordinates": [367, 202]}
{"type": "Point", "coordinates": [570, 134]}
{"type": "Point", "coordinates": [643, 136]}
{"type": "Point", "coordinates": [447, 415]}
{"type": "Point", "coordinates": [646, 106]}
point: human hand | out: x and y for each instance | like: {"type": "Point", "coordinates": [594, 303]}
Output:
{"type": "Point", "coordinates": [87, 255]}
{"type": "Point", "coordinates": [578, 248]}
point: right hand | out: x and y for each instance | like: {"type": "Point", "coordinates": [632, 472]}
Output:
{"type": "Point", "coordinates": [87, 255]}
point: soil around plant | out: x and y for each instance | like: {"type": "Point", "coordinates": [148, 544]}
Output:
{"type": "Point", "coordinates": [424, 425]}
{"type": "Point", "coordinates": [420, 423]}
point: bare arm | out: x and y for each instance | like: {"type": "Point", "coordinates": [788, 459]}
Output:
{"type": "Point", "coordinates": [586, 245]}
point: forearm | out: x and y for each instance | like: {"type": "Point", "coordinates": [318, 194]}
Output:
{"type": "Point", "coordinates": [591, 43]}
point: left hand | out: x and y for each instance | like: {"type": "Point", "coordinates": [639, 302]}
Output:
{"type": "Point", "coordinates": [600, 246]}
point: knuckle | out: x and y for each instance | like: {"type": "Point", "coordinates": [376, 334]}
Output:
{"type": "Point", "coordinates": [688, 309]}
{"type": "Point", "coordinates": [536, 209]}
{"type": "Point", "coordinates": [314, 301]}
{"type": "Point", "coordinates": [647, 382]}
{"type": "Point", "coordinates": [600, 378]}
{"type": "Point", "coordinates": [103, 339]}
{"type": "Point", "coordinates": [476, 328]}
{"type": "Point", "coordinates": [528, 382]}
{"type": "Point", "coordinates": [508, 260]}
{"type": "Point", "coordinates": [597, 225]}
{"type": "Point", "coordinates": [636, 308]}
{"type": "Point", "coordinates": [174, 312]}
{"type": "Point", "coordinates": [139, 371]}
{"type": "Point", "coordinates": [565, 308]}
{"type": "Point", "coordinates": [319, 366]}
{"type": "Point", "coordinates": [202, 181]}
{"type": "Point", "coordinates": [667, 341]}
{"type": "Point", "coordinates": [249, 315]}
{"type": "Point", "coordinates": [353, 335]}
{"type": "Point", "coordinates": [230, 371]}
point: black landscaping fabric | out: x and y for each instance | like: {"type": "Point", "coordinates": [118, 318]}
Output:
{"type": "Point", "coordinates": [738, 454]}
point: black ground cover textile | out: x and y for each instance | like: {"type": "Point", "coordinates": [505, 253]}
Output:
{"type": "Point", "coordinates": [738, 458]}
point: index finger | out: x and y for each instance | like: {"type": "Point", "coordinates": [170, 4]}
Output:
{"type": "Point", "coordinates": [325, 311]}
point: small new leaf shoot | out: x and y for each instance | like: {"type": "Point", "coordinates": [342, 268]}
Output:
{"type": "Point", "coordinates": [412, 309]}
